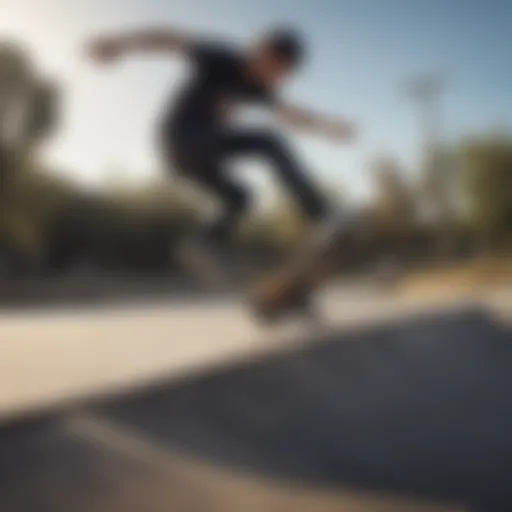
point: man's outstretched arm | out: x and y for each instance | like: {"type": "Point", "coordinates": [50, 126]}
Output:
{"type": "Point", "coordinates": [113, 47]}
{"type": "Point", "coordinates": [306, 120]}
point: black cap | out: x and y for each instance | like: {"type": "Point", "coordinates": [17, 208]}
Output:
{"type": "Point", "coordinates": [288, 44]}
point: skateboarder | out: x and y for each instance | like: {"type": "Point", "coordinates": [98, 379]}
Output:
{"type": "Point", "coordinates": [196, 132]}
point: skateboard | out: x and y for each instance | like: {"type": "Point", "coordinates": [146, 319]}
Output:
{"type": "Point", "coordinates": [287, 291]}
{"type": "Point", "coordinates": [290, 290]}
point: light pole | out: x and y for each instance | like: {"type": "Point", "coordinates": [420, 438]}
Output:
{"type": "Point", "coordinates": [426, 91]}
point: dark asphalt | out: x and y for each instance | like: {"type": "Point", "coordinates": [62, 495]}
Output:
{"type": "Point", "coordinates": [420, 406]}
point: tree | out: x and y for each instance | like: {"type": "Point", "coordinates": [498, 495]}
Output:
{"type": "Point", "coordinates": [28, 109]}
{"type": "Point", "coordinates": [394, 204]}
{"type": "Point", "coordinates": [28, 113]}
{"type": "Point", "coordinates": [487, 167]}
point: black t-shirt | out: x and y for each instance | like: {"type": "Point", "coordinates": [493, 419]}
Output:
{"type": "Point", "coordinates": [219, 81]}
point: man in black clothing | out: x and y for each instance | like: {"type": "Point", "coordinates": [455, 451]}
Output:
{"type": "Point", "coordinates": [196, 134]}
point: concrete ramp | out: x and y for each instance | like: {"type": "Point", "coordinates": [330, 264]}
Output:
{"type": "Point", "coordinates": [86, 465]}
{"type": "Point", "coordinates": [399, 416]}
{"type": "Point", "coordinates": [419, 406]}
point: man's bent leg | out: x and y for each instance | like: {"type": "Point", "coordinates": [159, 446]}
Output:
{"type": "Point", "coordinates": [205, 250]}
{"type": "Point", "coordinates": [234, 203]}
{"type": "Point", "coordinates": [286, 166]}
{"type": "Point", "coordinates": [195, 157]}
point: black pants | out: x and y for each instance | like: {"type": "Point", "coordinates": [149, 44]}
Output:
{"type": "Point", "coordinates": [201, 155]}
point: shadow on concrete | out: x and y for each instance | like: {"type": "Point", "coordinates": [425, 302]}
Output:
{"type": "Point", "coordinates": [45, 468]}
{"type": "Point", "coordinates": [422, 407]}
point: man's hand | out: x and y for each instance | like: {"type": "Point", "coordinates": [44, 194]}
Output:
{"type": "Point", "coordinates": [337, 130]}
{"type": "Point", "coordinates": [106, 50]}
{"type": "Point", "coordinates": [340, 131]}
{"type": "Point", "coordinates": [109, 49]}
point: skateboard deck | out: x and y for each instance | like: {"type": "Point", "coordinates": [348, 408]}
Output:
{"type": "Point", "coordinates": [289, 290]}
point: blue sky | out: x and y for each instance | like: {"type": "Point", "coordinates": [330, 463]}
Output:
{"type": "Point", "coordinates": [362, 51]}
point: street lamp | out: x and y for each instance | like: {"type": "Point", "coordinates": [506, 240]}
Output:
{"type": "Point", "coordinates": [426, 91]}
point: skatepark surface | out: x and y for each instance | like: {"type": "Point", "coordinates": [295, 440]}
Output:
{"type": "Point", "coordinates": [400, 404]}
